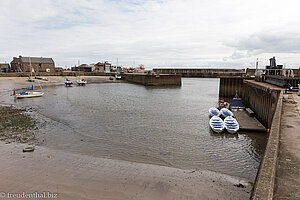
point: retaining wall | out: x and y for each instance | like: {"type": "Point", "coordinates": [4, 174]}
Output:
{"type": "Point", "coordinates": [201, 73]}
{"type": "Point", "coordinates": [153, 80]}
{"type": "Point", "coordinates": [265, 180]}
{"type": "Point", "coordinates": [258, 96]}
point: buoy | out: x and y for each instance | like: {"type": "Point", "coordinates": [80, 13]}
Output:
{"type": "Point", "coordinates": [268, 130]}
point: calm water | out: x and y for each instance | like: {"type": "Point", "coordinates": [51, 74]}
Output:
{"type": "Point", "coordinates": [159, 125]}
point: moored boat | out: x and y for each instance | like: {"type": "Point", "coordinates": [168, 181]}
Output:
{"type": "Point", "coordinates": [223, 104]}
{"type": "Point", "coordinates": [214, 111]}
{"type": "Point", "coordinates": [225, 112]}
{"type": "Point", "coordinates": [236, 103]}
{"type": "Point", "coordinates": [216, 124]}
{"type": "Point", "coordinates": [231, 124]}
{"type": "Point", "coordinates": [68, 82]}
{"type": "Point", "coordinates": [28, 94]}
{"type": "Point", "coordinates": [118, 77]}
{"type": "Point", "coordinates": [81, 82]}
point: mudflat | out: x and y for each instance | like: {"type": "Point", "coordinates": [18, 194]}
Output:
{"type": "Point", "coordinates": [75, 176]}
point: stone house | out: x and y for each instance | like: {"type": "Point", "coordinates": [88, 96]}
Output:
{"type": "Point", "coordinates": [4, 67]}
{"type": "Point", "coordinates": [99, 67]}
{"type": "Point", "coordinates": [103, 67]}
{"type": "Point", "coordinates": [38, 64]}
{"type": "Point", "coordinates": [82, 68]}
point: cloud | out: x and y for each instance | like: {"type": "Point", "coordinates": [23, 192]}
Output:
{"type": "Point", "coordinates": [278, 42]}
{"type": "Point", "coordinates": [172, 33]}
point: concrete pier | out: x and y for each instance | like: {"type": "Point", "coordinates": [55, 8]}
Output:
{"type": "Point", "coordinates": [248, 123]}
{"type": "Point", "coordinates": [153, 79]}
{"type": "Point", "coordinates": [201, 73]}
{"type": "Point", "coordinates": [287, 177]}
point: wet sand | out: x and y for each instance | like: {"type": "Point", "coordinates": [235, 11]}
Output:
{"type": "Point", "coordinates": [76, 176]}
{"type": "Point", "coordinates": [55, 80]}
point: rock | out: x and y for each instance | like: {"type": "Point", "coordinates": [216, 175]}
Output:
{"type": "Point", "coordinates": [28, 149]}
{"type": "Point", "coordinates": [239, 185]}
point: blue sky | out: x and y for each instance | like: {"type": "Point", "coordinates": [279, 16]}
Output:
{"type": "Point", "coordinates": [161, 33]}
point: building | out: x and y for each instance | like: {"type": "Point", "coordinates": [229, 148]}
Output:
{"type": "Point", "coordinates": [107, 67]}
{"type": "Point", "coordinates": [22, 64]}
{"type": "Point", "coordinates": [4, 67]}
{"type": "Point", "coordinates": [273, 69]}
{"type": "Point", "coordinates": [82, 68]}
{"type": "Point", "coordinates": [99, 67]}
{"type": "Point", "coordinates": [59, 69]}
{"type": "Point", "coordinates": [102, 67]}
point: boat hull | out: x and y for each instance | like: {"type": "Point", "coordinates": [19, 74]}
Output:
{"type": "Point", "coordinates": [225, 112]}
{"type": "Point", "coordinates": [231, 125]}
{"type": "Point", "coordinates": [216, 124]}
{"type": "Point", "coordinates": [214, 112]}
{"type": "Point", "coordinates": [81, 83]}
{"type": "Point", "coordinates": [29, 95]}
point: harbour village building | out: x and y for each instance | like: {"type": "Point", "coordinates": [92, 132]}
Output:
{"type": "Point", "coordinates": [39, 64]}
{"type": "Point", "coordinates": [4, 67]}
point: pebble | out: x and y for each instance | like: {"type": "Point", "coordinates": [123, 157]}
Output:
{"type": "Point", "coordinates": [28, 149]}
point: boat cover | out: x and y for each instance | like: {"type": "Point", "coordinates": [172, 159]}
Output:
{"type": "Point", "coordinates": [28, 88]}
{"type": "Point", "coordinates": [237, 103]}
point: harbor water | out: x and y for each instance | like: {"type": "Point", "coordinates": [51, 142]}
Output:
{"type": "Point", "coordinates": [166, 126]}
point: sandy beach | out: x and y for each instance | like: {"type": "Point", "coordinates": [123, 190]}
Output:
{"type": "Point", "coordinates": [75, 176]}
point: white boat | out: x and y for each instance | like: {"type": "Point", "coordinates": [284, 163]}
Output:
{"type": "Point", "coordinates": [118, 77]}
{"type": "Point", "coordinates": [41, 78]}
{"type": "Point", "coordinates": [214, 112]}
{"type": "Point", "coordinates": [231, 124]}
{"type": "Point", "coordinates": [225, 112]}
{"type": "Point", "coordinates": [81, 82]}
{"type": "Point", "coordinates": [216, 124]}
{"type": "Point", "coordinates": [68, 82]}
{"type": "Point", "coordinates": [28, 94]}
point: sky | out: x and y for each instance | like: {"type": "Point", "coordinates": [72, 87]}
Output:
{"type": "Point", "coordinates": [155, 33]}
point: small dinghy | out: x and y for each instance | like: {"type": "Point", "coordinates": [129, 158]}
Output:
{"type": "Point", "coordinates": [81, 82]}
{"type": "Point", "coordinates": [68, 82]}
{"type": "Point", "coordinates": [231, 125]}
{"type": "Point", "coordinates": [118, 77]}
{"type": "Point", "coordinates": [214, 112]}
{"type": "Point", "coordinates": [216, 124]}
{"type": "Point", "coordinates": [225, 112]}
